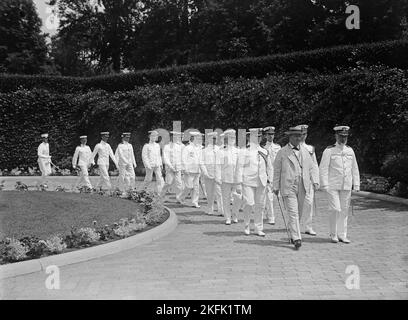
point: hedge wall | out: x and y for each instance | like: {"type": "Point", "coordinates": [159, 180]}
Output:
{"type": "Point", "coordinates": [328, 60]}
{"type": "Point", "coordinates": [374, 102]}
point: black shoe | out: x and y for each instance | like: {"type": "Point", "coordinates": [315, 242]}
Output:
{"type": "Point", "coordinates": [298, 244]}
{"type": "Point", "coordinates": [291, 241]}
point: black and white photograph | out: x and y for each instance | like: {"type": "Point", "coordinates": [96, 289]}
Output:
{"type": "Point", "coordinates": [222, 152]}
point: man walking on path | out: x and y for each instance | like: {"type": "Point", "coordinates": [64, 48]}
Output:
{"type": "Point", "coordinates": [207, 165]}
{"type": "Point", "coordinates": [338, 175]}
{"type": "Point", "coordinates": [104, 151]}
{"type": "Point", "coordinates": [82, 159]}
{"type": "Point", "coordinates": [44, 158]}
{"type": "Point", "coordinates": [308, 208]}
{"type": "Point", "coordinates": [294, 175]}
{"type": "Point", "coordinates": [125, 158]}
{"type": "Point", "coordinates": [254, 172]}
{"type": "Point", "coordinates": [272, 149]}
{"type": "Point", "coordinates": [172, 158]}
{"type": "Point", "coordinates": [191, 164]}
{"type": "Point", "coordinates": [152, 161]}
{"type": "Point", "coordinates": [225, 176]}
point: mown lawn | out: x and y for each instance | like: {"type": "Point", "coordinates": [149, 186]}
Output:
{"type": "Point", "coordinates": [44, 213]}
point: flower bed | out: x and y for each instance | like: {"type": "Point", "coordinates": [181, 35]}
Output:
{"type": "Point", "coordinates": [151, 214]}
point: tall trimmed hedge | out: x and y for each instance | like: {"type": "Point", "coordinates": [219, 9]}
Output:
{"type": "Point", "coordinates": [328, 60]}
{"type": "Point", "coordinates": [374, 102]}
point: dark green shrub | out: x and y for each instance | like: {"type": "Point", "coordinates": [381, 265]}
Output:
{"type": "Point", "coordinates": [327, 60]}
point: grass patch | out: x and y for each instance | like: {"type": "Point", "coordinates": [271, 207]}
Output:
{"type": "Point", "coordinates": [42, 214]}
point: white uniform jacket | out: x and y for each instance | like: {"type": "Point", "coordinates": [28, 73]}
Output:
{"type": "Point", "coordinates": [254, 167]}
{"type": "Point", "coordinates": [104, 151]}
{"type": "Point", "coordinates": [227, 164]}
{"type": "Point", "coordinates": [339, 168]}
{"type": "Point", "coordinates": [151, 155]}
{"type": "Point", "coordinates": [124, 155]}
{"type": "Point", "coordinates": [43, 152]}
{"type": "Point", "coordinates": [82, 155]}
{"type": "Point", "coordinates": [172, 156]}
{"type": "Point", "coordinates": [208, 160]}
{"type": "Point", "coordinates": [191, 156]}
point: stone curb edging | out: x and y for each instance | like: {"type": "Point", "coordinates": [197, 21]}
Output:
{"type": "Point", "coordinates": [30, 266]}
{"type": "Point", "coordinates": [383, 197]}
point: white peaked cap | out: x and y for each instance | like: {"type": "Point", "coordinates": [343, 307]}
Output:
{"type": "Point", "coordinates": [154, 132]}
{"type": "Point", "coordinates": [44, 135]}
{"type": "Point", "coordinates": [229, 132]}
{"type": "Point", "coordinates": [83, 137]}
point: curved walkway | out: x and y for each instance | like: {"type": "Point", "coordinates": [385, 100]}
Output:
{"type": "Point", "coordinates": [206, 259]}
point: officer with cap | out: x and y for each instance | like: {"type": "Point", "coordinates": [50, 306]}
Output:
{"type": "Point", "coordinates": [104, 151]}
{"type": "Point", "coordinates": [82, 159]}
{"type": "Point", "coordinates": [272, 149]}
{"type": "Point", "coordinates": [191, 157]}
{"type": "Point", "coordinates": [225, 175]}
{"type": "Point", "coordinates": [125, 158]}
{"type": "Point", "coordinates": [308, 208]}
{"type": "Point", "coordinates": [44, 158]}
{"type": "Point", "coordinates": [338, 175]}
{"type": "Point", "coordinates": [172, 158]}
{"type": "Point", "coordinates": [294, 175]}
{"type": "Point", "coordinates": [254, 172]}
{"type": "Point", "coordinates": [207, 166]}
{"type": "Point", "coordinates": [152, 161]}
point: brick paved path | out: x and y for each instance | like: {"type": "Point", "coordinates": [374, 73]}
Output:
{"type": "Point", "coordinates": [205, 259]}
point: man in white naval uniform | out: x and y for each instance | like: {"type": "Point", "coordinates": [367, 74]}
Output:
{"type": "Point", "coordinates": [82, 159]}
{"type": "Point", "coordinates": [207, 166]}
{"type": "Point", "coordinates": [225, 175]}
{"type": "Point", "coordinates": [104, 151]}
{"type": "Point", "coordinates": [152, 161]}
{"type": "Point", "coordinates": [308, 207]}
{"type": "Point", "coordinates": [125, 158]}
{"type": "Point", "coordinates": [338, 175]}
{"type": "Point", "coordinates": [294, 175]}
{"type": "Point", "coordinates": [254, 171]}
{"type": "Point", "coordinates": [272, 149]}
{"type": "Point", "coordinates": [44, 158]}
{"type": "Point", "coordinates": [191, 165]}
{"type": "Point", "coordinates": [172, 158]}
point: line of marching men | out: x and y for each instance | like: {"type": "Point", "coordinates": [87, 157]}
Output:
{"type": "Point", "coordinates": [244, 177]}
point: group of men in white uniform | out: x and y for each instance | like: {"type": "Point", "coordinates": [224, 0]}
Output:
{"type": "Point", "coordinates": [244, 177]}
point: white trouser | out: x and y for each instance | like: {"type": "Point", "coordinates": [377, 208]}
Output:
{"type": "Point", "coordinates": [191, 184]}
{"type": "Point", "coordinates": [126, 177]}
{"type": "Point", "coordinates": [294, 207]}
{"type": "Point", "coordinates": [339, 202]}
{"type": "Point", "coordinates": [83, 179]}
{"type": "Point", "coordinates": [308, 209]}
{"type": "Point", "coordinates": [45, 168]}
{"type": "Point", "coordinates": [159, 178]}
{"type": "Point", "coordinates": [213, 191]}
{"type": "Point", "coordinates": [226, 191]}
{"type": "Point", "coordinates": [104, 179]}
{"type": "Point", "coordinates": [268, 207]}
{"type": "Point", "coordinates": [173, 179]}
{"type": "Point", "coordinates": [254, 198]}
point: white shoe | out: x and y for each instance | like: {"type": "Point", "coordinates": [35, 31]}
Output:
{"type": "Point", "coordinates": [228, 221]}
{"type": "Point", "coordinates": [334, 239]}
{"type": "Point", "coordinates": [261, 233]}
{"type": "Point", "coordinates": [271, 221]}
{"type": "Point", "coordinates": [247, 231]}
{"type": "Point", "coordinates": [196, 205]}
{"type": "Point", "coordinates": [344, 240]}
{"type": "Point", "coordinates": [235, 220]}
{"type": "Point", "coordinates": [311, 232]}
